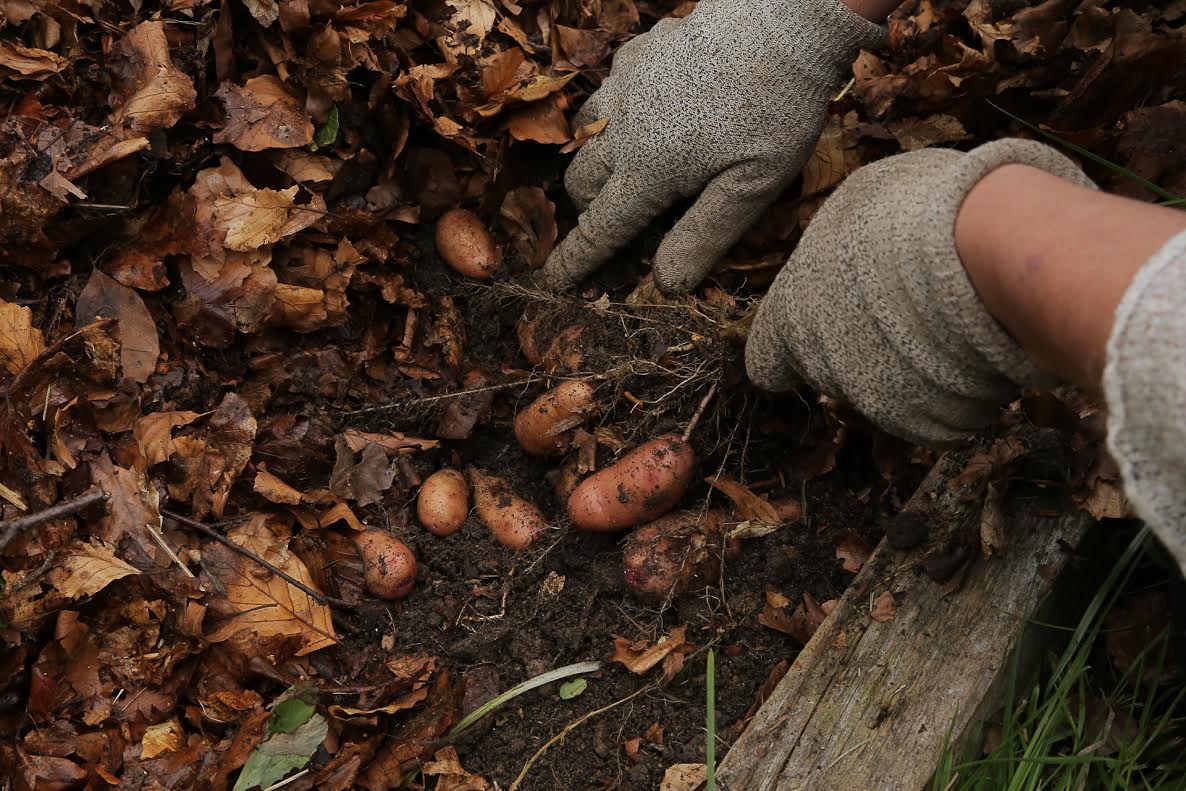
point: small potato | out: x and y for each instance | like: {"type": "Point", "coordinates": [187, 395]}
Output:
{"type": "Point", "coordinates": [538, 427]}
{"type": "Point", "coordinates": [645, 484]}
{"type": "Point", "coordinates": [443, 502]}
{"type": "Point", "coordinates": [674, 555]}
{"type": "Point", "coordinates": [389, 567]}
{"type": "Point", "coordinates": [514, 522]}
{"type": "Point", "coordinates": [465, 244]}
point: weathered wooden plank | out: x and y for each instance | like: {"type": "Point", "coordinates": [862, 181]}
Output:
{"type": "Point", "coordinates": [868, 706]}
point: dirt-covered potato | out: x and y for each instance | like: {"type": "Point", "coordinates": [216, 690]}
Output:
{"type": "Point", "coordinates": [465, 244]}
{"type": "Point", "coordinates": [675, 555]}
{"type": "Point", "coordinates": [514, 521]}
{"type": "Point", "coordinates": [642, 486]}
{"type": "Point", "coordinates": [443, 502]}
{"type": "Point", "coordinates": [388, 565]}
{"type": "Point", "coordinates": [545, 426]}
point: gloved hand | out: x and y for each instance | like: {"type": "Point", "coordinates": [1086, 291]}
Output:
{"type": "Point", "coordinates": [728, 104]}
{"type": "Point", "coordinates": [874, 306]}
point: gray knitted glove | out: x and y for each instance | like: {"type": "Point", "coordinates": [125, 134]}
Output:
{"type": "Point", "coordinates": [728, 104]}
{"type": "Point", "coordinates": [874, 306]}
{"type": "Point", "coordinates": [1145, 385]}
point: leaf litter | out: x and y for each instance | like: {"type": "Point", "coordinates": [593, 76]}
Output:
{"type": "Point", "coordinates": [221, 301]}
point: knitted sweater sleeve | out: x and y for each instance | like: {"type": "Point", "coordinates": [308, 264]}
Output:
{"type": "Point", "coordinates": [1145, 388]}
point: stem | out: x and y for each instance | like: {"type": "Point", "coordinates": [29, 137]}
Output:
{"type": "Point", "coordinates": [710, 747]}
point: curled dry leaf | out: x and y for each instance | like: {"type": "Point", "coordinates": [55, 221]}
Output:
{"type": "Point", "coordinates": [639, 657]}
{"type": "Point", "coordinates": [150, 92]}
{"type": "Point", "coordinates": [20, 341]}
{"type": "Point", "coordinates": [275, 490]}
{"type": "Point", "coordinates": [853, 551]}
{"type": "Point", "coordinates": [800, 624]}
{"type": "Point", "coordinates": [262, 114]}
{"type": "Point", "coordinates": [86, 569]}
{"type": "Point", "coordinates": [451, 775]}
{"type": "Point", "coordinates": [749, 506]}
{"type": "Point", "coordinates": [154, 434]}
{"type": "Point", "coordinates": [266, 605]}
{"type": "Point", "coordinates": [29, 62]}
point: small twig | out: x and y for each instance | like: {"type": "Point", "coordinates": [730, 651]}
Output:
{"type": "Point", "coordinates": [573, 726]}
{"type": "Point", "coordinates": [699, 413]}
{"type": "Point", "coordinates": [317, 596]}
{"type": "Point", "coordinates": [10, 528]}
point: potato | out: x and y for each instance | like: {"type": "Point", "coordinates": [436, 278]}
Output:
{"type": "Point", "coordinates": [674, 555]}
{"type": "Point", "coordinates": [465, 244]}
{"type": "Point", "coordinates": [443, 502]}
{"type": "Point", "coordinates": [389, 567]}
{"type": "Point", "coordinates": [514, 522]}
{"type": "Point", "coordinates": [645, 484]}
{"type": "Point", "coordinates": [534, 426]}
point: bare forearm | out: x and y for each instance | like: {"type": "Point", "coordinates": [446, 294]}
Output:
{"type": "Point", "coordinates": [1051, 261]}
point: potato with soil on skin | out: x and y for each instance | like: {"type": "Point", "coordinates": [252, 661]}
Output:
{"type": "Point", "coordinates": [389, 567]}
{"type": "Point", "coordinates": [676, 554]}
{"type": "Point", "coordinates": [443, 502]}
{"type": "Point", "coordinates": [534, 425]}
{"type": "Point", "coordinates": [514, 522]}
{"type": "Point", "coordinates": [645, 484]}
{"type": "Point", "coordinates": [465, 244]}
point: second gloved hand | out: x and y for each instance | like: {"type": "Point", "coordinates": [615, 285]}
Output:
{"type": "Point", "coordinates": [726, 104]}
{"type": "Point", "coordinates": [875, 307]}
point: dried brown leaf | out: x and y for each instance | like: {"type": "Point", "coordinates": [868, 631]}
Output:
{"type": "Point", "coordinates": [154, 434]}
{"type": "Point", "coordinates": [20, 341]}
{"type": "Point", "coordinates": [750, 506]}
{"type": "Point", "coordinates": [883, 608]}
{"type": "Point", "coordinates": [103, 297]}
{"type": "Point", "coordinates": [150, 93]}
{"type": "Point", "coordinates": [262, 114]}
{"type": "Point", "coordinates": [86, 569]}
{"type": "Point", "coordinates": [265, 604]}
{"type": "Point", "coordinates": [29, 62]}
{"type": "Point", "coordinates": [639, 657]}
{"type": "Point", "coordinates": [275, 490]}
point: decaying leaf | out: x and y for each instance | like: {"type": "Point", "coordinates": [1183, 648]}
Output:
{"type": "Point", "coordinates": [749, 506]}
{"type": "Point", "coordinates": [154, 434]}
{"type": "Point", "coordinates": [274, 489]}
{"type": "Point", "coordinates": [451, 775]}
{"type": "Point", "coordinates": [883, 608]}
{"type": "Point", "coordinates": [87, 569]}
{"type": "Point", "coordinates": [262, 114]}
{"type": "Point", "coordinates": [802, 623]}
{"type": "Point", "coordinates": [20, 341]}
{"type": "Point", "coordinates": [139, 347]}
{"type": "Point", "coordinates": [853, 551]}
{"type": "Point", "coordinates": [266, 605]}
{"type": "Point", "coordinates": [363, 480]}
{"type": "Point", "coordinates": [684, 777]}
{"type": "Point", "coordinates": [151, 93]}
{"type": "Point", "coordinates": [639, 657]}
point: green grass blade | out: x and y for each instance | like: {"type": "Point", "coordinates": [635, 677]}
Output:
{"type": "Point", "coordinates": [526, 686]}
{"type": "Point", "coordinates": [1161, 192]}
{"type": "Point", "coordinates": [710, 748]}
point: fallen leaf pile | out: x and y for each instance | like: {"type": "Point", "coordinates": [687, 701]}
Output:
{"type": "Point", "coordinates": [216, 236]}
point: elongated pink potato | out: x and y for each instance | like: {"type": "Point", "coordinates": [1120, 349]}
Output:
{"type": "Point", "coordinates": [514, 522]}
{"type": "Point", "coordinates": [443, 502]}
{"type": "Point", "coordinates": [534, 425]}
{"type": "Point", "coordinates": [642, 486]}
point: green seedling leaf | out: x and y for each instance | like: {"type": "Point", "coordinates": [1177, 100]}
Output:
{"type": "Point", "coordinates": [327, 133]}
{"type": "Point", "coordinates": [572, 689]}
{"type": "Point", "coordinates": [282, 753]}
{"type": "Point", "coordinates": [290, 715]}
